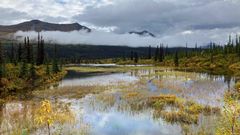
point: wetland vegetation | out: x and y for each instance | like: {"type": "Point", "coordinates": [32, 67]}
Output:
{"type": "Point", "coordinates": [187, 92]}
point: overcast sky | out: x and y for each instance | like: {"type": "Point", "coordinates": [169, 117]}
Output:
{"type": "Point", "coordinates": [173, 21]}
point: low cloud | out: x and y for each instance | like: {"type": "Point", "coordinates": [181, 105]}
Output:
{"type": "Point", "coordinates": [93, 38]}
{"type": "Point", "coordinates": [202, 37]}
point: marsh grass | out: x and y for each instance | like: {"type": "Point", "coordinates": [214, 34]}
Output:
{"type": "Point", "coordinates": [28, 117]}
{"type": "Point", "coordinates": [229, 124]}
{"type": "Point", "coordinates": [181, 110]}
{"type": "Point", "coordinates": [132, 98]}
{"type": "Point", "coordinates": [116, 69]}
{"type": "Point", "coordinates": [70, 92]}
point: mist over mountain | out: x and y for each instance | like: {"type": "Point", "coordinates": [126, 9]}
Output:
{"type": "Point", "coordinates": [78, 34]}
{"type": "Point", "coordinates": [142, 33]}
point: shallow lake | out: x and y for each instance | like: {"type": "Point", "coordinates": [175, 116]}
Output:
{"type": "Point", "coordinates": [107, 113]}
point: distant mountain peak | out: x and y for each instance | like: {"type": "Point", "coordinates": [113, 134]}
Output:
{"type": "Point", "coordinates": [142, 33]}
{"type": "Point", "coordinates": [37, 25]}
{"type": "Point", "coordinates": [35, 21]}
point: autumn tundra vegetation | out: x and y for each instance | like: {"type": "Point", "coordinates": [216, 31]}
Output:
{"type": "Point", "coordinates": [27, 72]}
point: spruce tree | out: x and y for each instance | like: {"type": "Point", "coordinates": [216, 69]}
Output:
{"type": "Point", "coordinates": [225, 50]}
{"type": "Point", "coordinates": [156, 54]}
{"type": "Point", "coordinates": [24, 66]}
{"type": "Point", "coordinates": [40, 51]}
{"type": "Point", "coordinates": [60, 65]}
{"type": "Point", "coordinates": [149, 52]}
{"type": "Point", "coordinates": [28, 50]}
{"type": "Point", "coordinates": [196, 49]}
{"type": "Point", "coordinates": [186, 51]}
{"type": "Point", "coordinates": [12, 57]}
{"type": "Point", "coordinates": [237, 44]}
{"type": "Point", "coordinates": [136, 57]}
{"type": "Point", "coordinates": [232, 46]}
{"type": "Point", "coordinates": [32, 73]}
{"type": "Point", "coordinates": [211, 52]}
{"type": "Point", "coordinates": [131, 55]}
{"type": "Point", "coordinates": [2, 70]}
{"type": "Point", "coordinates": [47, 69]}
{"type": "Point", "coordinates": [23, 69]}
{"type": "Point", "coordinates": [161, 53]}
{"type": "Point", "coordinates": [55, 67]}
{"type": "Point", "coordinates": [19, 52]}
{"type": "Point", "coordinates": [176, 61]}
{"type": "Point", "coordinates": [32, 68]}
{"type": "Point", "coordinates": [238, 49]}
{"type": "Point", "coordinates": [166, 51]}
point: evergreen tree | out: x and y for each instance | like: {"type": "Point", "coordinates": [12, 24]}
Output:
{"type": "Point", "coordinates": [20, 52]}
{"type": "Point", "coordinates": [237, 44]}
{"type": "Point", "coordinates": [186, 51]}
{"type": "Point", "coordinates": [238, 48]}
{"type": "Point", "coordinates": [55, 67]}
{"type": "Point", "coordinates": [131, 55]}
{"type": "Point", "coordinates": [136, 57]}
{"type": "Point", "coordinates": [23, 69]}
{"type": "Point", "coordinates": [40, 51]}
{"type": "Point", "coordinates": [60, 65]}
{"type": "Point", "coordinates": [32, 68]}
{"type": "Point", "coordinates": [2, 67]}
{"type": "Point", "coordinates": [232, 46]}
{"type": "Point", "coordinates": [229, 44]}
{"type": "Point", "coordinates": [156, 54]}
{"type": "Point", "coordinates": [211, 52]}
{"type": "Point", "coordinates": [12, 56]}
{"type": "Point", "coordinates": [123, 58]}
{"type": "Point", "coordinates": [225, 50]}
{"type": "Point", "coordinates": [47, 69]}
{"type": "Point", "coordinates": [149, 52]}
{"type": "Point", "coordinates": [24, 57]}
{"type": "Point", "coordinates": [166, 51]}
{"type": "Point", "coordinates": [28, 48]}
{"type": "Point", "coordinates": [161, 53]}
{"type": "Point", "coordinates": [196, 49]}
{"type": "Point", "coordinates": [32, 73]}
{"type": "Point", "coordinates": [176, 61]}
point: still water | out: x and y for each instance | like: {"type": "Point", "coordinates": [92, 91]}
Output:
{"type": "Point", "coordinates": [114, 115]}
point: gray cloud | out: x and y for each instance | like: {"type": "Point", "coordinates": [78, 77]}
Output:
{"type": "Point", "coordinates": [173, 21]}
{"type": "Point", "coordinates": [162, 16]}
{"type": "Point", "coordinates": [9, 16]}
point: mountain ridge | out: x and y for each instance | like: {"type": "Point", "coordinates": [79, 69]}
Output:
{"type": "Point", "coordinates": [38, 26]}
{"type": "Point", "coordinates": [142, 33]}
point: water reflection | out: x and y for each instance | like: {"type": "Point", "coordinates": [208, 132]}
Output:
{"type": "Point", "coordinates": [112, 121]}
{"type": "Point", "coordinates": [203, 88]}
{"type": "Point", "coordinates": [97, 79]}
{"type": "Point", "coordinates": [117, 117]}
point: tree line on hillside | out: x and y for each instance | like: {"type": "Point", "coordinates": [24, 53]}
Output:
{"type": "Point", "coordinates": [94, 53]}
{"type": "Point", "coordinates": [163, 52]}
